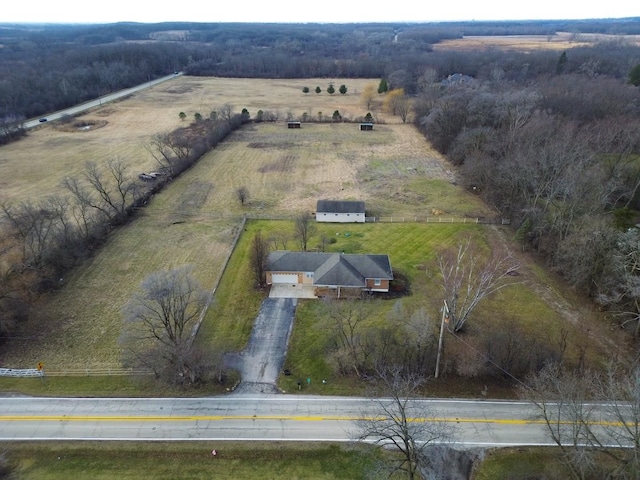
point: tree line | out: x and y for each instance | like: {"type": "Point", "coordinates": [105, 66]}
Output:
{"type": "Point", "coordinates": [40, 241]}
{"type": "Point", "coordinates": [52, 67]}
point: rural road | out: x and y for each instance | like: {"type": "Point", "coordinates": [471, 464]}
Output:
{"type": "Point", "coordinates": [248, 417]}
{"type": "Point", "coordinates": [96, 103]}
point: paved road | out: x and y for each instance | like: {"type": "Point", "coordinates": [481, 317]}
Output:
{"type": "Point", "coordinates": [248, 417]}
{"type": "Point", "coordinates": [261, 362]}
{"type": "Point", "coordinates": [96, 103]}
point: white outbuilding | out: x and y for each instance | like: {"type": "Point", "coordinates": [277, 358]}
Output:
{"type": "Point", "coordinates": [340, 211]}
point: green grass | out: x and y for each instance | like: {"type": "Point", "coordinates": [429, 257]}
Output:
{"type": "Point", "coordinates": [106, 386]}
{"type": "Point", "coordinates": [521, 464]}
{"type": "Point", "coordinates": [412, 248]}
{"type": "Point", "coordinates": [191, 460]}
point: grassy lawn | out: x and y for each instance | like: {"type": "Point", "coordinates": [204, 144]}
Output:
{"type": "Point", "coordinates": [521, 464]}
{"type": "Point", "coordinates": [411, 247]}
{"type": "Point", "coordinates": [191, 460]}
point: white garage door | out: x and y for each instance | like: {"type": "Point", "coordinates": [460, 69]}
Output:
{"type": "Point", "coordinates": [284, 278]}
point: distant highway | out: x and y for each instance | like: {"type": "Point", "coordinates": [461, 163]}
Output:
{"type": "Point", "coordinates": [97, 102]}
{"type": "Point", "coordinates": [248, 417]}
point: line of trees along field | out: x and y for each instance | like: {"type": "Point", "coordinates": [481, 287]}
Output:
{"type": "Point", "coordinates": [40, 241]}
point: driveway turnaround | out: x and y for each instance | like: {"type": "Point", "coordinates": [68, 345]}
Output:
{"type": "Point", "coordinates": [261, 362]}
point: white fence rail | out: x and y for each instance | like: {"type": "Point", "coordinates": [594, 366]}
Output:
{"type": "Point", "coordinates": [21, 372]}
{"type": "Point", "coordinates": [74, 372]}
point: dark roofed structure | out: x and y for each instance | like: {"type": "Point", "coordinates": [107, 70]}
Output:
{"type": "Point", "coordinates": [340, 211]}
{"type": "Point", "coordinates": [330, 270]}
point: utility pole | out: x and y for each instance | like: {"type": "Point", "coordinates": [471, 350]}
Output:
{"type": "Point", "coordinates": [445, 319]}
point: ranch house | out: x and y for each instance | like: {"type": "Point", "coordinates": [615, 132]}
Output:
{"type": "Point", "coordinates": [330, 274]}
{"type": "Point", "coordinates": [340, 211]}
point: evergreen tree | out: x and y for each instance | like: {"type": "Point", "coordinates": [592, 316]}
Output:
{"type": "Point", "coordinates": [562, 63]}
{"type": "Point", "coordinates": [634, 76]}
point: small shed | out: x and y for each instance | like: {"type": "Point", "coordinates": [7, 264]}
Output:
{"type": "Point", "coordinates": [340, 211]}
{"type": "Point", "coordinates": [366, 126]}
{"type": "Point", "coordinates": [294, 124]}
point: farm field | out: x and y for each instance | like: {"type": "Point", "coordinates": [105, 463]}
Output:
{"type": "Point", "coordinates": [34, 167]}
{"type": "Point", "coordinates": [558, 41]}
{"type": "Point", "coordinates": [195, 219]}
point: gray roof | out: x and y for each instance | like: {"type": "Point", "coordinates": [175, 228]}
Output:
{"type": "Point", "coordinates": [340, 206]}
{"type": "Point", "coordinates": [332, 268]}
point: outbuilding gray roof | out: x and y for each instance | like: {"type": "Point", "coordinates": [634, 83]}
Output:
{"type": "Point", "coordinates": [332, 268]}
{"type": "Point", "coordinates": [340, 206]}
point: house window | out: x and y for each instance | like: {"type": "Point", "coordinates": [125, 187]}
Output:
{"type": "Point", "coordinates": [309, 274]}
{"type": "Point", "coordinates": [377, 282]}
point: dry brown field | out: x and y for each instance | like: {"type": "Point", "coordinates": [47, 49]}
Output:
{"type": "Point", "coordinates": [558, 41]}
{"type": "Point", "coordinates": [34, 167]}
{"type": "Point", "coordinates": [194, 220]}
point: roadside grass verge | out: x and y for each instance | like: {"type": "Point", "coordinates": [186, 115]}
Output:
{"type": "Point", "coordinates": [521, 463]}
{"type": "Point", "coordinates": [107, 386]}
{"type": "Point", "coordinates": [192, 460]}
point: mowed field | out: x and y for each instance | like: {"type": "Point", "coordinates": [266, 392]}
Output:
{"type": "Point", "coordinates": [195, 219]}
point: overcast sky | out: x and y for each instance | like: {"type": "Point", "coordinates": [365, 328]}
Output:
{"type": "Point", "coordinates": [283, 11]}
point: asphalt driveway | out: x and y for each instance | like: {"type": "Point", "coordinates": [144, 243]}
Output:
{"type": "Point", "coordinates": [261, 362]}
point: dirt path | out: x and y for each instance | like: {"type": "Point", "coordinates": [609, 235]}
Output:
{"type": "Point", "coordinates": [570, 311]}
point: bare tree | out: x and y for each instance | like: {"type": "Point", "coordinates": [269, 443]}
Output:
{"type": "Point", "coordinates": [397, 418]}
{"type": "Point", "coordinates": [588, 415]}
{"type": "Point", "coordinates": [243, 194]}
{"type": "Point", "coordinates": [560, 397]}
{"type": "Point", "coordinates": [168, 149]}
{"type": "Point", "coordinates": [304, 229]}
{"type": "Point", "coordinates": [41, 228]}
{"type": "Point", "coordinates": [159, 320]}
{"type": "Point", "coordinates": [106, 189]}
{"type": "Point", "coordinates": [226, 111]}
{"type": "Point", "coordinates": [620, 392]}
{"type": "Point", "coordinates": [279, 240]}
{"type": "Point", "coordinates": [258, 258]}
{"type": "Point", "coordinates": [346, 318]}
{"type": "Point", "coordinates": [467, 279]}
{"type": "Point", "coordinates": [622, 296]}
